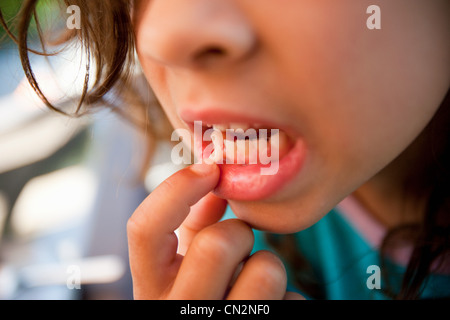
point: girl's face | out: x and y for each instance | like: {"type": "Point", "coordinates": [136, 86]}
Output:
{"type": "Point", "coordinates": [353, 98]}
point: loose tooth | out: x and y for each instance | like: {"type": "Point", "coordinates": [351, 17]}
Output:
{"type": "Point", "coordinates": [215, 157]}
{"type": "Point", "coordinates": [217, 141]}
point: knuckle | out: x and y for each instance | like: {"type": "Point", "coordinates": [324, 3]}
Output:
{"type": "Point", "coordinates": [134, 230]}
{"type": "Point", "coordinates": [222, 239]}
{"type": "Point", "coordinates": [213, 242]}
{"type": "Point", "coordinates": [166, 185]}
{"type": "Point", "coordinates": [131, 226]}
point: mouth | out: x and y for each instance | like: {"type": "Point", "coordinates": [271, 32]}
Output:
{"type": "Point", "coordinates": [256, 158]}
{"type": "Point", "coordinates": [241, 143]}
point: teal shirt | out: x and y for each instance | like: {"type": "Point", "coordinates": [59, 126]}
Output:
{"type": "Point", "coordinates": [345, 263]}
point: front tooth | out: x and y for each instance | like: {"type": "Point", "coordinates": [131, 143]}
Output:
{"type": "Point", "coordinates": [215, 157]}
{"type": "Point", "coordinates": [275, 138]}
{"type": "Point", "coordinates": [220, 127]}
{"type": "Point", "coordinates": [241, 151]}
{"type": "Point", "coordinates": [217, 140]}
{"type": "Point", "coordinates": [278, 142]}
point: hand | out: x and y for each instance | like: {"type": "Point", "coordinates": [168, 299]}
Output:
{"type": "Point", "coordinates": [212, 260]}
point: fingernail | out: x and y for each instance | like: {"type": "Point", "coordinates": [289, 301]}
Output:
{"type": "Point", "coordinates": [203, 168]}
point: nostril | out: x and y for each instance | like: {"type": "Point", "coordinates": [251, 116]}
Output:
{"type": "Point", "coordinates": [209, 53]}
{"type": "Point", "coordinates": [214, 51]}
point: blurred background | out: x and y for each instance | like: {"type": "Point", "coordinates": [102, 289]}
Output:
{"type": "Point", "coordinates": [67, 186]}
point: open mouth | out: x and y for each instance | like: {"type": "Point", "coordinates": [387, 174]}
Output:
{"type": "Point", "coordinates": [256, 160]}
{"type": "Point", "coordinates": [243, 144]}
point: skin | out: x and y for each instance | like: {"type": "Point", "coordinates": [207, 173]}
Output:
{"type": "Point", "coordinates": [359, 99]}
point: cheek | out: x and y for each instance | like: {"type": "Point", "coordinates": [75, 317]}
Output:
{"type": "Point", "coordinates": [157, 79]}
{"type": "Point", "coordinates": [365, 93]}
{"type": "Point", "coordinates": [362, 97]}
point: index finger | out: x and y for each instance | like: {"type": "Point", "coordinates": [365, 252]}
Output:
{"type": "Point", "coordinates": [151, 238]}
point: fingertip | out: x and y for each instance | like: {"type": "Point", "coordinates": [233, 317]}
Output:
{"type": "Point", "coordinates": [204, 169]}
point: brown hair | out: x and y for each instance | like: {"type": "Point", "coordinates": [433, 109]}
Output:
{"type": "Point", "coordinates": [430, 180]}
{"type": "Point", "coordinates": [114, 58]}
{"type": "Point", "coordinates": [106, 37]}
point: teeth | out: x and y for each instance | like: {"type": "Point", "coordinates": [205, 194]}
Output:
{"type": "Point", "coordinates": [236, 126]}
{"type": "Point", "coordinates": [275, 139]}
{"type": "Point", "coordinates": [250, 151]}
{"type": "Point", "coordinates": [245, 151]}
{"type": "Point", "coordinates": [215, 157]}
{"type": "Point", "coordinates": [241, 152]}
{"type": "Point", "coordinates": [232, 126]}
{"type": "Point", "coordinates": [217, 140]}
{"type": "Point", "coordinates": [279, 141]}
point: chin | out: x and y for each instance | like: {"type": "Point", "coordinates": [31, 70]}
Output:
{"type": "Point", "coordinates": [280, 217]}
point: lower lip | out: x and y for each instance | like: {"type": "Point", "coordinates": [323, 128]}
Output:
{"type": "Point", "coordinates": [246, 183]}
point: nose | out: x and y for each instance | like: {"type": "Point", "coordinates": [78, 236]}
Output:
{"type": "Point", "coordinates": [194, 33]}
